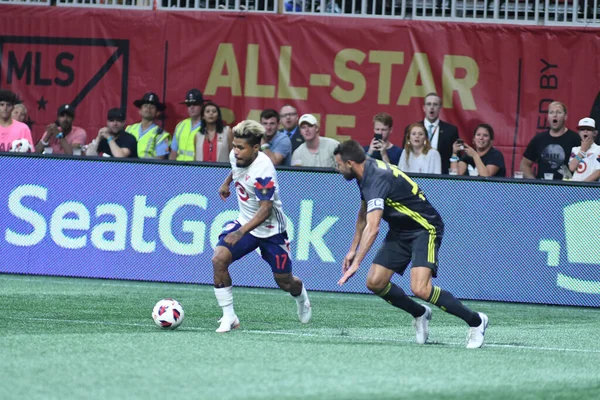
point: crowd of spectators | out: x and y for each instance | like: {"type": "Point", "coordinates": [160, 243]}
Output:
{"type": "Point", "coordinates": [429, 146]}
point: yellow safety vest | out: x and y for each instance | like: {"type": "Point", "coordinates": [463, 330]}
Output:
{"type": "Point", "coordinates": [146, 145]}
{"type": "Point", "coordinates": [186, 142]}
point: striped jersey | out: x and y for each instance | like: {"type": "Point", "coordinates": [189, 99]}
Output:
{"type": "Point", "coordinates": [255, 183]}
{"type": "Point", "coordinates": [385, 187]}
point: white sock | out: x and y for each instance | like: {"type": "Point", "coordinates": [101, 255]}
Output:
{"type": "Point", "coordinates": [302, 297]}
{"type": "Point", "coordinates": [225, 299]}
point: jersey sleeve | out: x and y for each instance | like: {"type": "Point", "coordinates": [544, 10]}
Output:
{"type": "Point", "coordinates": [375, 192]}
{"type": "Point", "coordinates": [265, 182]}
{"type": "Point", "coordinates": [574, 152]}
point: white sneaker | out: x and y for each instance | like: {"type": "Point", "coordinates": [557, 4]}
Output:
{"type": "Point", "coordinates": [227, 324]}
{"type": "Point", "coordinates": [475, 334]}
{"type": "Point", "coordinates": [304, 311]}
{"type": "Point", "coordinates": [421, 325]}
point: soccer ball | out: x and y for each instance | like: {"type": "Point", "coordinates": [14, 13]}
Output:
{"type": "Point", "coordinates": [168, 314]}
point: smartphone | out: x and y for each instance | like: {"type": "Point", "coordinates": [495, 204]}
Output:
{"type": "Point", "coordinates": [378, 136]}
{"type": "Point", "coordinates": [460, 141]}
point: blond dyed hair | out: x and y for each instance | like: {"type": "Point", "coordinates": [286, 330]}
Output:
{"type": "Point", "coordinates": [249, 130]}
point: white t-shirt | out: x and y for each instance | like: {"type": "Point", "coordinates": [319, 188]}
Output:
{"type": "Point", "coordinates": [430, 163]}
{"type": "Point", "coordinates": [255, 183]}
{"type": "Point", "coordinates": [323, 157]}
{"type": "Point", "coordinates": [590, 163]}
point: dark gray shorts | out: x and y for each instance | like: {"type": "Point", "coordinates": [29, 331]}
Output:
{"type": "Point", "coordinates": [399, 249]}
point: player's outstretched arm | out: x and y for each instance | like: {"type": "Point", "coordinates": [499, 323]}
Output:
{"type": "Point", "coordinates": [224, 192]}
{"type": "Point", "coordinates": [369, 234]}
{"type": "Point", "coordinates": [361, 222]}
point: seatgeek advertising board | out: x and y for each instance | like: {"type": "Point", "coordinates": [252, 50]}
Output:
{"type": "Point", "coordinates": [519, 241]}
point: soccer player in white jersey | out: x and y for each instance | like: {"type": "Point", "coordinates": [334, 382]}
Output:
{"type": "Point", "coordinates": [260, 224]}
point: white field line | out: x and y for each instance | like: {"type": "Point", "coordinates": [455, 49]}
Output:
{"type": "Point", "coordinates": [348, 337]}
{"type": "Point", "coordinates": [57, 280]}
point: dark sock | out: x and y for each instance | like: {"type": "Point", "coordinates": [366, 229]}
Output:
{"type": "Point", "coordinates": [450, 304]}
{"type": "Point", "coordinates": [396, 297]}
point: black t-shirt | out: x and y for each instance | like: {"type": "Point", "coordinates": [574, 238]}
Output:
{"type": "Point", "coordinates": [385, 187]}
{"type": "Point", "coordinates": [123, 140]}
{"type": "Point", "coordinates": [551, 152]}
{"type": "Point", "coordinates": [492, 157]}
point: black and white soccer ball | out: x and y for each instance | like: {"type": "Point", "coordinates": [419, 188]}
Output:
{"type": "Point", "coordinates": [168, 314]}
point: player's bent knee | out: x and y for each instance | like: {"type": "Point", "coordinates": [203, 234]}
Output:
{"type": "Point", "coordinates": [221, 258]}
{"type": "Point", "coordinates": [284, 281]}
{"type": "Point", "coordinates": [421, 291]}
{"type": "Point", "coordinates": [376, 285]}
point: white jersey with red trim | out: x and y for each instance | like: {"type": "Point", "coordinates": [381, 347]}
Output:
{"type": "Point", "coordinates": [590, 163]}
{"type": "Point", "coordinates": [255, 183]}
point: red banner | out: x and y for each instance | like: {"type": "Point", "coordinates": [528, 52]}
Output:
{"type": "Point", "coordinates": [344, 70]}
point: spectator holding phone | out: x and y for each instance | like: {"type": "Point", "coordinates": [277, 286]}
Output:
{"type": "Point", "coordinates": [418, 155]}
{"type": "Point", "coordinates": [62, 137]}
{"type": "Point", "coordinates": [381, 148]}
{"type": "Point", "coordinates": [585, 159]}
{"type": "Point", "coordinates": [480, 160]}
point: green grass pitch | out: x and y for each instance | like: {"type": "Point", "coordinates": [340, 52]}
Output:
{"type": "Point", "coordinates": [66, 338]}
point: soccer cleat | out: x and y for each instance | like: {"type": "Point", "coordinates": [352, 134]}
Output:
{"type": "Point", "coordinates": [227, 324]}
{"type": "Point", "coordinates": [421, 325]}
{"type": "Point", "coordinates": [475, 334]}
{"type": "Point", "coordinates": [304, 311]}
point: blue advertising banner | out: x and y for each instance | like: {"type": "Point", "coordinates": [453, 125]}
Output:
{"type": "Point", "coordinates": [518, 241]}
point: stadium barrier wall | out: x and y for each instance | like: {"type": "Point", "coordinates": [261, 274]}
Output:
{"type": "Point", "coordinates": [344, 70]}
{"type": "Point", "coordinates": [505, 240]}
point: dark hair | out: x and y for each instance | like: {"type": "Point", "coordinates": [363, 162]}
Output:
{"type": "Point", "coordinates": [9, 97]}
{"type": "Point", "coordinates": [433, 94]}
{"type": "Point", "coordinates": [350, 150]}
{"type": "Point", "coordinates": [485, 126]}
{"type": "Point", "coordinates": [268, 114]}
{"type": "Point", "coordinates": [219, 123]}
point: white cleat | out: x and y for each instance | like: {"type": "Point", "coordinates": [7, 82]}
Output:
{"type": "Point", "coordinates": [227, 324]}
{"type": "Point", "coordinates": [476, 334]}
{"type": "Point", "coordinates": [421, 325]}
{"type": "Point", "coordinates": [304, 311]}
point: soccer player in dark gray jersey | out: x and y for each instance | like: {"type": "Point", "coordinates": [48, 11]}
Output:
{"type": "Point", "coordinates": [415, 234]}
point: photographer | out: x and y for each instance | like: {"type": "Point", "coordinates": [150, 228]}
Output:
{"type": "Point", "coordinates": [112, 140]}
{"type": "Point", "coordinates": [380, 147]}
{"type": "Point", "coordinates": [480, 160]}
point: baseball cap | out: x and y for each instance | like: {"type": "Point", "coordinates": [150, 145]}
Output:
{"type": "Point", "coordinates": [587, 122]}
{"type": "Point", "coordinates": [115, 114]}
{"type": "Point", "coordinates": [308, 118]}
{"type": "Point", "coordinates": [66, 109]}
